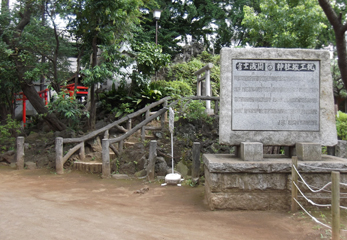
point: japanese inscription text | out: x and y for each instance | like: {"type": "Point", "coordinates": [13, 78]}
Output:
{"type": "Point", "coordinates": [278, 95]}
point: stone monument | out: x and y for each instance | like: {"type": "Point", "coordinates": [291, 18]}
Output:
{"type": "Point", "coordinates": [276, 97]}
{"type": "Point", "coordinates": [269, 96]}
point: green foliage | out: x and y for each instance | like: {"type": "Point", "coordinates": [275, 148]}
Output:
{"type": "Point", "coordinates": [97, 74]}
{"type": "Point", "coordinates": [126, 100]}
{"type": "Point", "coordinates": [185, 71]}
{"type": "Point", "coordinates": [149, 57]}
{"type": "Point", "coordinates": [198, 18]}
{"type": "Point", "coordinates": [8, 132]}
{"type": "Point", "coordinates": [287, 25]}
{"type": "Point", "coordinates": [69, 108]}
{"type": "Point", "coordinates": [196, 111]}
{"type": "Point", "coordinates": [172, 88]}
{"type": "Point", "coordinates": [341, 125]}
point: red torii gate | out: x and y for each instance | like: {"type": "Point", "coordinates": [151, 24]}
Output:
{"type": "Point", "coordinates": [43, 94]}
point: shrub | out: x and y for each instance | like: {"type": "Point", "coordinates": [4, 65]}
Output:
{"type": "Point", "coordinates": [8, 133]}
{"type": "Point", "coordinates": [172, 88]}
{"type": "Point", "coordinates": [341, 125]}
{"type": "Point", "coordinates": [69, 108]}
{"type": "Point", "coordinates": [196, 111]}
{"type": "Point", "coordinates": [185, 71]}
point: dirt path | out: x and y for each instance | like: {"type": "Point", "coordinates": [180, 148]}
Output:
{"type": "Point", "coordinates": [41, 205]}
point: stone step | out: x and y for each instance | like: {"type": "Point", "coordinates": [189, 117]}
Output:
{"type": "Point", "coordinates": [93, 167]}
{"type": "Point", "coordinates": [129, 144]}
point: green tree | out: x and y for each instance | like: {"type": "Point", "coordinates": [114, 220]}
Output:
{"type": "Point", "coordinates": [102, 24]}
{"type": "Point", "coordinates": [149, 57]}
{"type": "Point", "coordinates": [19, 59]}
{"type": "Point", "coordinates": [199, 19]}
{"type": "Point", "coordinates": [286, 24]}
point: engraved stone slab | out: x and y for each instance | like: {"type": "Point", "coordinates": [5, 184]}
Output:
{"type": "Point", "coordinates": [271, 95]}
{"type": "Point", "coordinates": [283, 107]}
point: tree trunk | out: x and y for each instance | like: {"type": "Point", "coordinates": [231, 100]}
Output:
{"type": "Point", "coordinates": [35, 100]}
{"type": "Point", "coordinates": [339, 29]}
{"type": "Point", "coordinates": [92, 115]}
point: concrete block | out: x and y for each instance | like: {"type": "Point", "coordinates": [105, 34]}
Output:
{"type": "Point", "coordinates": [341, 149]}
{"type": "Point", "coordinates": [309, 151]}
{"type": "Point", "coordinates": [251, 151]}
{"type": "Point", "coordinates": [30, 165]}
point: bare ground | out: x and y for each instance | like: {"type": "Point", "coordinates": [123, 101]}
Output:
{"type": "Point", "coordinates": [37, 204]}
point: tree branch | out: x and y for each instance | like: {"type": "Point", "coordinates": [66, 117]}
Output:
{"type": "Point", "coordinates": [330, 13]}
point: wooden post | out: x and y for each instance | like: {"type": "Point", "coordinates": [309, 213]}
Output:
{"type": "Point", "coordinates": [208, 91]}
{"type": "Point", "coordinates": [129, 124]}
{"type": "Point", "coordinates": [165, 114]}
{"type": "Point", "coordinates": [198, 86]}
{"type": "Point", "coordinates": [335, 205]}
{"type": "Point", "coordinates": [82, 152]}
{"type": "Point", "coordinates": [163, 117]}
{"type": "Point", "coordinates": [106, 169]}
{"type": "Point", "coordinates": [196, 160]}
{"type": "Point", "coordinates": [143, 129]}
{"type": "Point", "coordinates": [20, 153]}
{"type": "Point", "coordinates": [106, 134]}
{"type": "Point", "coordinates": [121, 146]}
{"type": "Point", "coordinates": [59, 165]}
{"type": "Point", "coordinates": [151, 160]}
{"type": "Point", "coordinates": [216, 107]}
{"type": "Point", "coordinates": [294, 207]}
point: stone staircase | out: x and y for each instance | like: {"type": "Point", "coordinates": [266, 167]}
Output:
{"type": "Point", "coordinates": [96, 167]}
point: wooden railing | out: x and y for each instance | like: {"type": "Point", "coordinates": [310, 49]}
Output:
{"type": "Point", "coordinates": [206, 77]}
{"type": "Point", "coordinates": [59, 142]}
{"type": "Point", "coordinates": [107, 143]}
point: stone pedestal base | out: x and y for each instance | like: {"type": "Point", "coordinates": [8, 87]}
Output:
{"type": "Point", "coordinates": [231, 183]}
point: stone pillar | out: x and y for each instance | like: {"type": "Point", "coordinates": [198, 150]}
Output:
{"type": "Point", "coordinates": [106, 169]}
{"type": "Point", "coordinates": [208, 92]}
{"type": "Point", "coordinates": [20, 153]}
{"type": "Point", "coordinates": [196, 160]}
{"type": "Point", "coordinates": [251, 151]}
{"type": "Point", "coordinates": [341, 149]}
{"type": "Point", "coordinates": [151, 160]}
{"type": "Point", "coordinates": [309, 151]}
{"type": "Point", "coordinates": [59, 165]}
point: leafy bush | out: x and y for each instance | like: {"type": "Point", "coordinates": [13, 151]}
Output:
{"type": "Point", "coordinates": [196, 111]}
{"type": "Point", "coordinates": [125, 100]}
{"type": "Point", "coordinates": [185, 71]}
{"type": "Point", "coordinates": [69, 108]}
{"type": "Point", "coordinates": [341, 125]}
{"type": "Point", "coordinates": [172, 88]}
{"type": "Point", "coordinates": [8, 133]}
{"type": "Point", "coordinates": [149, 57]}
